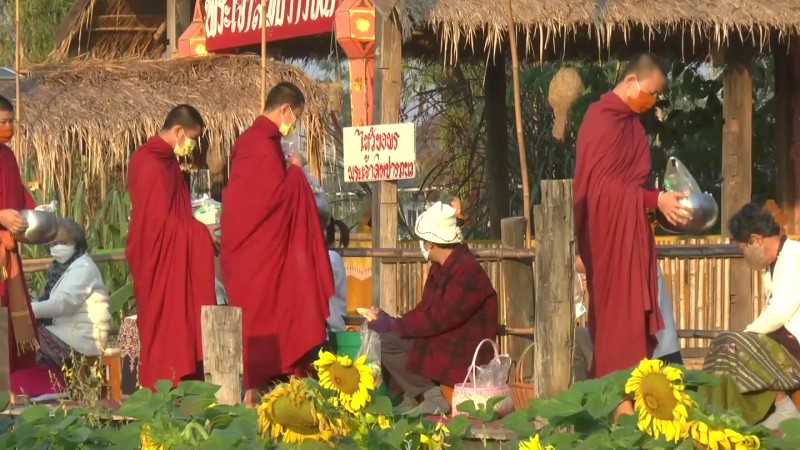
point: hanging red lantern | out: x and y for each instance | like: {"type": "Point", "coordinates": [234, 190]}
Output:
{"type": "Point", "coordinates": [355, 33]}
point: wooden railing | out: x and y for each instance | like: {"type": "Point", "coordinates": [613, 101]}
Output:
{"type": "Point", "coordinates": [697, 272]}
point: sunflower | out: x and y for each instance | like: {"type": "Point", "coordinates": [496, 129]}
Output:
{"type": "Point", "coordinates": [708, 438]}
{"type": "Point", "coordinates": [147, 440]}
{"type": "Point", "coordinates": [380, 420]}
{"type": "Point", "coordinates": [436, 439]}
{"type": "Point", "coordinates": [659, 398]}
{"type": "Point", "coordinates": [534, 444]}
{"type": "Point", "coordinates": [351, 380]}
{"type": "Point", "coordinates": [288, 413]}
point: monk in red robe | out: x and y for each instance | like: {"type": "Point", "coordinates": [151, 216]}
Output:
{"type": "Point", "coordinates": [170, 253]}
{"type": "Point", "coordinates": [275, 264]}
{"type": "Point", "coordinates": [22, 335]}
{"type": "Point", "coordinates": [611, 195]}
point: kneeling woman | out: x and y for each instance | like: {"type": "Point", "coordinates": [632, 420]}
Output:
{"type": "Point", "coordinates": [760, 368]}
{"type": "Point", "coordinates": [74, 299]}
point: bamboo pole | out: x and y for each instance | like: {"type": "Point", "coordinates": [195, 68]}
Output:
{"type": "Point", "coordinates": [263, 55]}
{"type": "Point", "coordinates": [523, 159]}
{"type": "Point", "coordinates": [17, 60]}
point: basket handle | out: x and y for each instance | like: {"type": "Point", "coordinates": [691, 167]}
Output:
{"type": "Point", "coordinates": [519, 372]}
{"type": "Point", "coordinates": [472, 367]}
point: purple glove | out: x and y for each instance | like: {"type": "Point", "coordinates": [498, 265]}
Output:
{"type": "Point", "coordinates": [384, 323]}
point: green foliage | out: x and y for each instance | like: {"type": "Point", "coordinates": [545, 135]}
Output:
{"type": "Point", "coordinates": [39, 20]}
{"type": "Point", "coordinates": [188, 417]}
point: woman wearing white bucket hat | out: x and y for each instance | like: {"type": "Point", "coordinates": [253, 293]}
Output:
{"type": "Point", "coordinates": [431, 345]}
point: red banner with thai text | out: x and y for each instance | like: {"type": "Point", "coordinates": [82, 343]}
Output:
{"type": "Point", "coordinates": [237, 23]}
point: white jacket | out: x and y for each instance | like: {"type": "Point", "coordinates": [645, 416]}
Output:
{"type": "Point", "coordinates": [781, 293]}
{"type": "Point", "coordinates": [78, 305]}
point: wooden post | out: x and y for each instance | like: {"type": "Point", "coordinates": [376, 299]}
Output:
{"type": "Point", "coordinates": [737, 111]}
{"type": "Point", "coordinates": [518, 287]}
{"type": "Point", "coordinates": [5, 369]}
{"type": "Point", "coordinates": [386, 109]}
{"type": "Point", "coordinates": [222, 351]}
{"type": "Point", "coordinates": [497, 174]}
{"type": "Point", "coordinates": [179, 16]}
{"type": "Point", "coordinates": [523, 158]}
{"type": "Point", "coordinates": [554, 316]}
{"type": "Point", "coordinates": [784, 89]}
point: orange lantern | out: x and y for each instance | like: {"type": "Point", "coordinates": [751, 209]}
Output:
{"type": "Point", "coordinates": [355, 33]}
{"type": "Point", "coordinates": [193, 41]}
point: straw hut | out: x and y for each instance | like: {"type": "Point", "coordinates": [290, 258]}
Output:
{"type": "Point", "coordinates": [113, 29]}
{"type": "Point", "coordinates": [91, 115]}
{"type": "Point", "coordinates": [546, 28]}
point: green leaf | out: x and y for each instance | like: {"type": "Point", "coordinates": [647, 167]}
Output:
{"type": "Point", "coordinates": [141, 405]}
{"type": "Point", "coordinates": [119, 299]}
{"type": "Point", "coordinates": [398, 434]}
{"type": "Point", "coordinates": [459, 426]}
{"type": "Point", "coordinates": [379, 405]}
{"type": "Point", "coordinates": [163, 386]}
{"type": "Point", "coordinates": [78, 435]}
{"type": "Point", "coordinates": [520, 422]}
{"type": "Point", "coordinates": [195, 387]}
{"type": "Point", "coordinates": [34, 413]}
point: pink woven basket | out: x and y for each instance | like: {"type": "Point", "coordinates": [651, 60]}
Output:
{"type": "Point", "coordinates": [463, 392]}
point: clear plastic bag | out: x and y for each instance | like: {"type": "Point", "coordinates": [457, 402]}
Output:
{"type": "Point", "coordinates": [371, 348]}
{"type": "Point", "coordinates": [494, 374]}
{"type": "Point", "coordinates": [678, 179]}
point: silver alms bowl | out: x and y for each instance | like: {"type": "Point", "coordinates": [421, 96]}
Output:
{"type": "Point", "coordinates": [704, 214]}
{"type": "Point", "coordinates": [42, 227]}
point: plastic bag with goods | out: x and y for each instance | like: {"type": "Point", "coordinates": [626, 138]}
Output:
{"type": "Point", "coordinates": [206, 210]}
{"type": "Point", "coordinates": [494, 374]}
{"type": "Point", "coordinates": [371, 348]}
{"type": "Point", "coordinates": [704, 208]}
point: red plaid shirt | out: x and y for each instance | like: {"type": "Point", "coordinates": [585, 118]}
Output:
{"type": "Point", "coordinates": [457, 311]}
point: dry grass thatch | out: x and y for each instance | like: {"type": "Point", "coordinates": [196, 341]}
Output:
{"type": "Point", "coordinates": [93, 114]}
{"type": "Point", "coordinates": [112, 29]}
{"type": "Point", "coordinates": [554, 24]}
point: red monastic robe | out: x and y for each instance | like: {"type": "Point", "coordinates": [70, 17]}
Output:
{"type": "Point", "coordinates": [614, 237]}
{"type": "Point", "coordinates": [13, 195]}
{"type": "Point", "coordinates": [171, 257]}
{"type": "Point", "coordinates": [275, 264]}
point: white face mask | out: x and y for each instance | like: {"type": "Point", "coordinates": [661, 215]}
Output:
{"type": "Point", "coordinates": [425, 253]}
{"type": "Point", "coordinates": [62, 253]}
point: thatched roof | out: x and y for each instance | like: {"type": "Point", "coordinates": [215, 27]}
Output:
{"type": "Point", "coordinates": [112, 29]}
{"type": "Point", "coordinates": [556, 23]}
{"type": "Point", "coordinates": [95, 113]}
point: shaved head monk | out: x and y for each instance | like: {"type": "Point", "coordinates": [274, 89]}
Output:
{"type": "Point", "coordinates": [22, 336]}
{"type": "Point", "coordinates": [611, 195]}
{"type": "Point", "coordinates": [170, 253]}
{"type": "Point", "coordinates": [275, 263]}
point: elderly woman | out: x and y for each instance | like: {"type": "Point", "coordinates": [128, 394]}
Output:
{"type": "Point", "coordinates": [74, 299]}
{"type": "Point", "coordinates": [759, 368]}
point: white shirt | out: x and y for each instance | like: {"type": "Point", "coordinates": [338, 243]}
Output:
{"type": "Point", "coordinates": [78, 305]}
{"type": "Point", "coordinates": [338, 302]}
{"type": "Point", "coordinates": [782, 294]}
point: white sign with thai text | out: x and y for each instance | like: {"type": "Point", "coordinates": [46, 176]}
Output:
{"type": "Point", "coordinates": [380, 153]}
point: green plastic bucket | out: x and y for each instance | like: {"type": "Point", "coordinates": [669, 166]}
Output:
{"type": "Point", "coordinates": [348, 343]}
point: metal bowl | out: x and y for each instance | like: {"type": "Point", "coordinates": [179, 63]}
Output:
{"type": "Point", "coordinates": [42, 227]}
{"type": "Point", "coordinates": [704, 214]}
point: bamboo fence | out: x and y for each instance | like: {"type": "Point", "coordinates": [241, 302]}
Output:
{"type": "Point", "coordinates": [699, 286]}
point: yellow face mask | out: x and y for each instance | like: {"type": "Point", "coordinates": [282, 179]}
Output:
{"type": "Point", "coordinates": [287, 129]}
{"type": "Point", "coordinates": [186, 148]}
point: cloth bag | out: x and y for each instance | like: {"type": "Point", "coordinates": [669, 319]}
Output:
{"type": "Point", "coordinates": [480, 395]}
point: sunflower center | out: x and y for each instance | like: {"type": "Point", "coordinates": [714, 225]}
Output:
{"type": "Point", "coordinates": [295, 415]}
{"type": "Point", "coordinates": [658, 396]}
{"type": "Point", "coordinates": [345, 378]}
